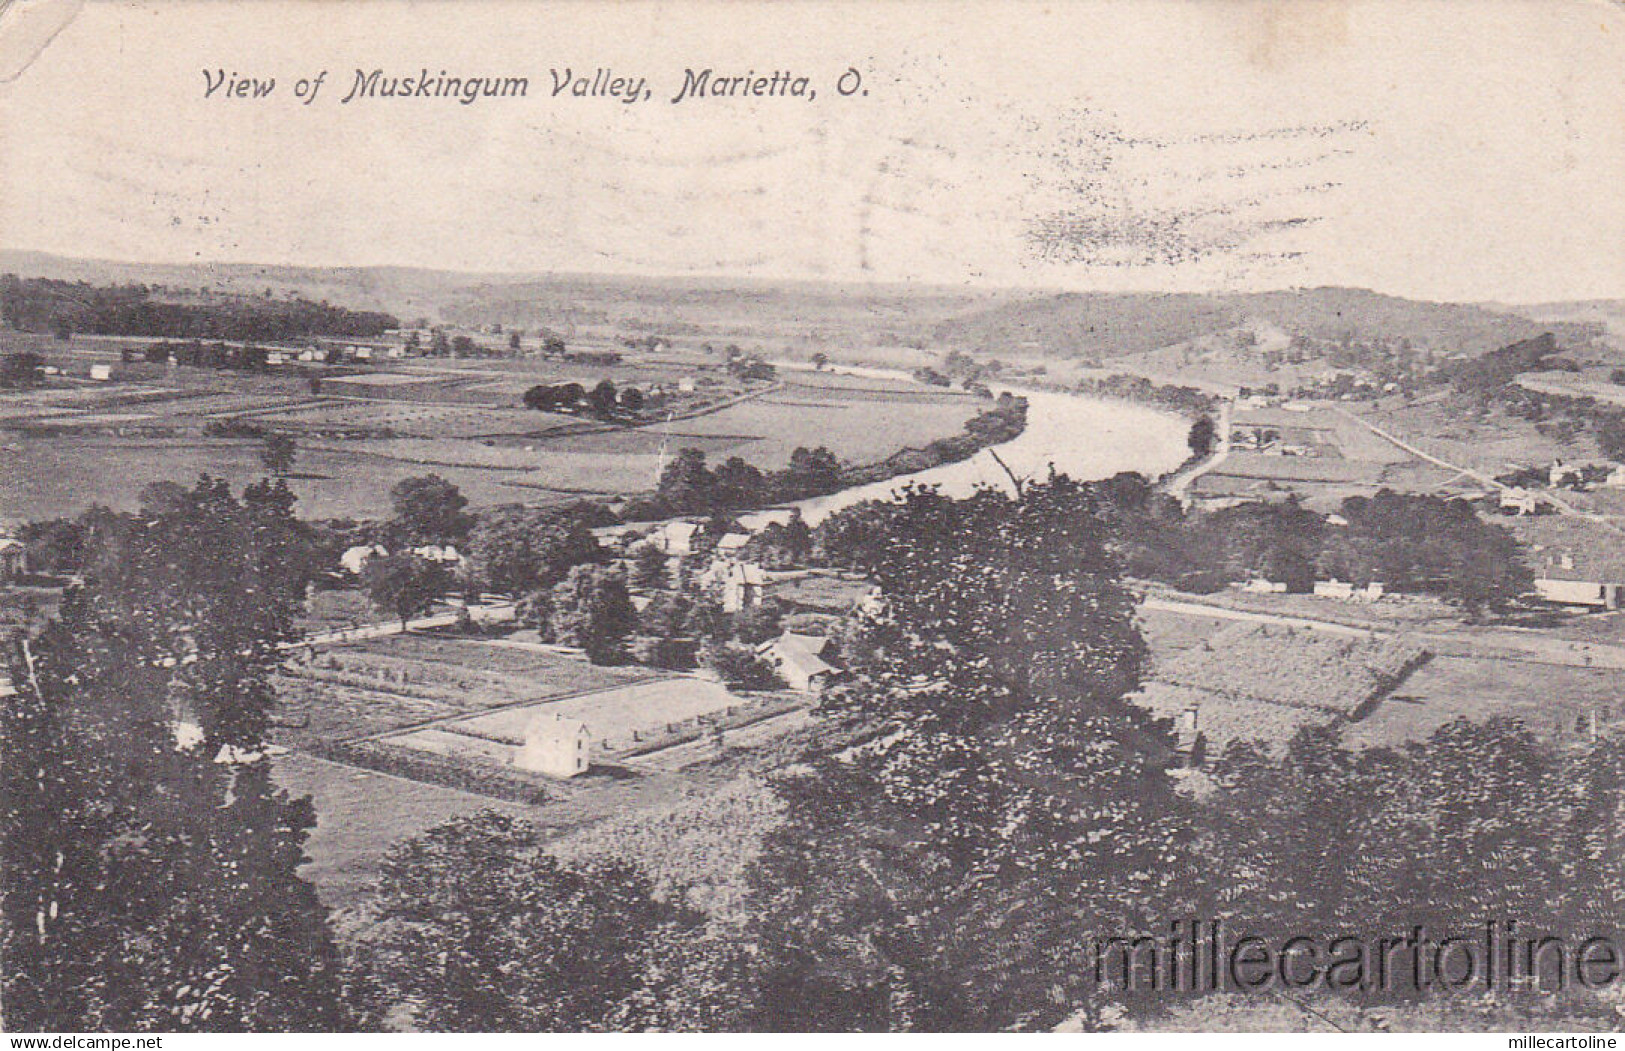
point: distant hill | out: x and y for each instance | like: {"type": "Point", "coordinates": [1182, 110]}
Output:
{"type": "Point", "coordinates": [1104, 326]}
{"type": "Point", "coordinates": [743, 308]}
{"type": "Point", "coordinates": [1095, 326]}
{"type": "Point", "coordinates": [1609, 313]}
{"type": "Point", "coordinates": [1089, 324]}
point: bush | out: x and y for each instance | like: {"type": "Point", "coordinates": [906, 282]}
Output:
{"type": "Point", "coordinates": [740, 668]}
{"type": "Point", "coordinates": [671, 654]}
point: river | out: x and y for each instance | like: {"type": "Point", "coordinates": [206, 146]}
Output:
{"type": "Point", "coordinates": [1086, 438]}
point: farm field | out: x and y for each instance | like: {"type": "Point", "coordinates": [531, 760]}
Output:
{"type": "Point", "coordinates": [457, 419]}
{"type": "Point", "coordinates": [1224, 718]}
{"type": "Point", "coordinates": [46, 477]}
{"type": "Point", "coordinates": [362, 813]}
{"type": "Point", "coordinates": [616, 717]}
{"type": "Point", "coordinates": [1293, 668]}
{"type": "Point", "coordinates": [699, 845]}
{"type": "Point", "coordinates": [385, 684]}
{"type": "Point", "coordinates": [415, 420]}
{"type": "Point", "coordinates": [858, 429]}
{"type": "Point", "coordinates": [1493, 443]}
{"type": "Point", "coordinates": [1552, 701]}
{"type": "Point", "coordinates": [1167, 634]}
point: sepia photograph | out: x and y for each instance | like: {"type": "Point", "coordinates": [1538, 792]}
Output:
{"type": "Point", "coordinates": [717, 516]}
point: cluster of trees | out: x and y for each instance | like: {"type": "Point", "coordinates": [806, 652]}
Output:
{"type": "Point", "coordinates": [195, 353]}
{"type": "Point", "coordinates": [1189, 401]}
{"type": "Point", "coordinates": [752, 369]}
{"type": "Point", "coordinates": [1409, 542]}
{"type": "Point", "coordinates": [604, 400]}
{"type": "Point", "coordinates": [591, 607]}
{"type": "Point", "coordinates": [1486, 375]}
{"type": "Point", "coordinates": [21, 370]}
{"type": "Point", "coordinates": [147, 885]}
{"type": "Point", "coordinates": [689, 486]}
{"type": "Point", "coordinates": [46, 305]}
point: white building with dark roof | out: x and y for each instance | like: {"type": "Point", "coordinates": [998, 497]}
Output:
{"type": "Point", "coordinates": [799, 660]}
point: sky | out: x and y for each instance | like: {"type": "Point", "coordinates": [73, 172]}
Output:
{"type": "Point", "coordinates": [1439, 149]}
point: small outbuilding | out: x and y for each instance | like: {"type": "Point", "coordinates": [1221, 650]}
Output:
{"type": "Point", "coordinates": [799, 660]}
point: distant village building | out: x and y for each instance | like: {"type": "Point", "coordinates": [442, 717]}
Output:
{"type": "Point", "coordinates": [446, 555]}
{"type": "Point", "coordinates": [1560, 474]}
{"type": "Point", "coordinates": [1345, 590]}
{"type": "Point", "coordinates": [675, 538]}
{"type": "Point", "coordinates": [1574, 562]}
{"type": "Point", "coordinates": [1260, 586]}
{"type": "Point", "coordinates": [1519, 502]}
{"type": "Point", "coordinates": [101, 373]}
{"type": "Point", "coordinates": [555, 746]}
{"type": "Point", "coordinates": [1334, 588]}
{"type": "Point", "coordinates": [732, 542]}
{"type": "Point", "coordinates": [799, 660]}
{"type": "Point", "coordinates": [741, 583]}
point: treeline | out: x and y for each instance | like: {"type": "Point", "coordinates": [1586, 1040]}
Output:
{"type": "Point", "coordinates": [604, 400]}
{"type": "Point", "coordinates": [1408, 542]}
{"type": "Point", "coordinates": [688, 485]}
{"type": "Point", "coordinates": [1188, 401]}
{"type": "Point", "coordinates": [63, 307]}
{"type": "Point", "coordinates": [1488, 374]}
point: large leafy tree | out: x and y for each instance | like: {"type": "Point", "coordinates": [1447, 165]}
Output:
{"type": "Point", "coordinates": [518, 549]}
{"type": "Point", "coordinates": [478, 929]}
{"type": "Point", "coordinates": [212, 585]}
{"type": "Point", "coordinates": [1010, 803]}
{"type": "Point", "coordinates": [1418, 542]}
{"type": "Point", "coordinates": [404, 584]}
{"type": "Point", "coordinates": [591, 608]}
{"type": "Point", "coordinates": [1479, 821]}
{"type": "Point", "coordinates": [148, 885]}
{"type": "Point", "coordinates": [429, 510]}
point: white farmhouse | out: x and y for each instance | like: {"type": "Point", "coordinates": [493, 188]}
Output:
{"type": "Point", "coordinates": [741, 583]}
{"type": "Point", "coordinates": [555, 746]}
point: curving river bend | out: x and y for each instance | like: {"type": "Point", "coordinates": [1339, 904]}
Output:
{"type": "Point", "coordinates": [1086, 438]}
